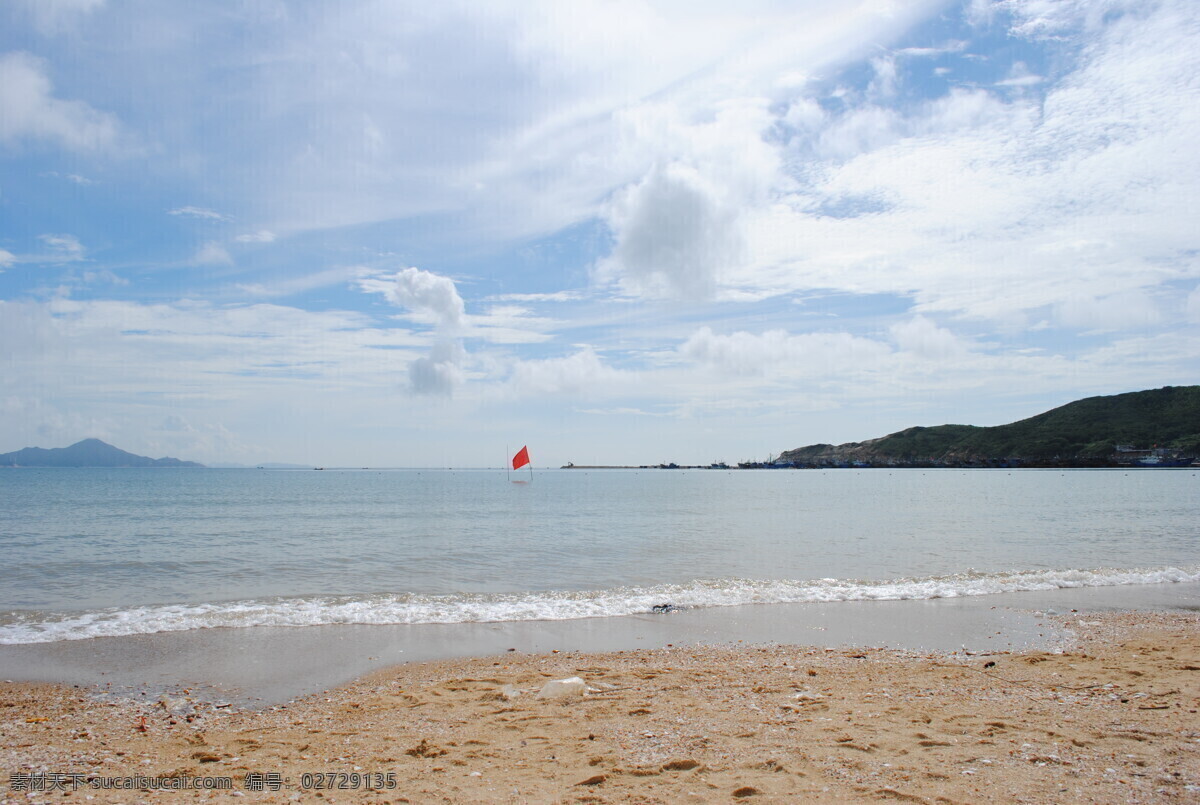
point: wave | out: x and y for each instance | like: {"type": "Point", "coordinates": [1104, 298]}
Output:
{"type": "Point", "coordinates": [407, 608]}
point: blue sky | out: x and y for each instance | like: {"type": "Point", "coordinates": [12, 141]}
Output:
{"type": "Point", "coordinates": [390, 234]}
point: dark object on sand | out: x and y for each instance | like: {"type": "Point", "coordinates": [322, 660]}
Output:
{"type": "Point", "coordinates": [663, 609]}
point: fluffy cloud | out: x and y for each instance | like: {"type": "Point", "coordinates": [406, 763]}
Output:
{"type": "Point", "coordinates": [675, 235]}
{"type": "Point", "coordinates": [441, 372]}
{"type": "Point", "coordinates": [436, 298]}
{"type": "Point", "coordinates": [678, 230]}
{"type": "Point", "coordinates": [422, 292]}
{"type": "Point", "coordinates": [584, 371]}
{"type": "Point", "coordinates": [30, 112]}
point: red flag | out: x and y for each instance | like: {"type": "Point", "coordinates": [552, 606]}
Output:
{"type": "Point", "coordinates": [521, 458]}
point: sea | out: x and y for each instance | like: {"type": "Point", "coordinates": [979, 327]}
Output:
{"type": "Point", "coordinates": [111, 552]}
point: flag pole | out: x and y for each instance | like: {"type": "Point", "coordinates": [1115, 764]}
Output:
{"type": "Point", "coordinates": [507, 462]}
{"type": "Point", "coordinates": [521, 459]}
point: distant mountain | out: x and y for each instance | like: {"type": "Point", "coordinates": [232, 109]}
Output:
{"type": "Point", "coordinates": [88, 453]}
{"type": "Point", "coordinates": [1086, 432]}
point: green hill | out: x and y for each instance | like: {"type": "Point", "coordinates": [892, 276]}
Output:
{"type": "Point", "coordinates": [88, 453]}
{"type": "Point", "coordinates": [1085, 432]}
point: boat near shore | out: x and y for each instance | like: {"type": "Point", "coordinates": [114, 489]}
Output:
{"type": "Point", "coordinates": [1153, 462]}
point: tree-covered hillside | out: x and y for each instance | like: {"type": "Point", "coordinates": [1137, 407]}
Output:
{"type": "Point", "coordinates": [1086, 430]}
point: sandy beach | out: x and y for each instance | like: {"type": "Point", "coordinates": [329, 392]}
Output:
{"type": "Point", "coordinates": [1110, 717]}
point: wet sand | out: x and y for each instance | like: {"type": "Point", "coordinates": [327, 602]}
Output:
{"type": "Point", "coordinates": [270, 665]}
{"type": "Point", "coordinates": [261, 666]}
{"type": "Point", "coordinates": [1108, 716]}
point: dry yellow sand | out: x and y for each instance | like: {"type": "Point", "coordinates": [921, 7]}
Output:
{"type": "Point", "coordinates": [1111, 719]}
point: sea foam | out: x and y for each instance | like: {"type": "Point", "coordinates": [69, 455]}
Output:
{"type": "Point", "coordinates": [402, 608]}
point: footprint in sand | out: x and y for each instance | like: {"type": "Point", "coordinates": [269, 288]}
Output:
{"type": "Point", "coordinates": [425, 749]}
{"type": "Point", "coordinates": [686, 764]}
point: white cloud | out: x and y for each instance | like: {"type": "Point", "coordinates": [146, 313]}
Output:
{"type": "Point", "coordinates": [261, 236]}
{"type": "Point", "coordinates": [923, 338]}
{"type": "Point", "coordinates": [952, 46]}
{"type": "Point", "coordinates": [289, 284]}
{"type": "Point", "coordinates": [1043, 19]}
{"type": "Point", "coordinates": [726, 153]}
{"type": "Point", "coordinates": [678, 230]}
{"type": "Point", "coordinates": [556, 296]}
{"type": "Point", "coordinates": [1126, 311]}
{"type": "Point", "coordinates": [777, 352]}
{"type": "Point", "coordinates": [212, 254]}
{"type": "Point", "coordinates": [620, 411]}
{"type": "Point", "coordinates": [582, 372]}
{"type": "Point", "coordinates": [192, 350]}
{"type": "Point", "coordinates": [103, 275]}
{"type": "Point", "coordinates": [29, 110]}
{"type": "Point", "coordinates": [198, 212]}
{"type": "Point", "coordinates": [781, 372]}
{"type": "Point", "coordinates": [67, 245]}
{"type": "Point", "coordinates": [510, 324]}
{"type": "Point", "coordinates": [441, 372]}
{"type": "Point", "coordinates": [883, 85]}
{"type": "Point", "coordinates": [436, 297]}
{"type": "Point", "coordinates": [74, 178]}
{"type": "Point", "coordinates": [421, 292]}
{"type": "Point", "coordinates": [379, 135]}
{"type": "Point", "coordinates": [675, 236]}
{"type": "Point", "coordinates": [1020, 76]}
{"type": "Point", "coordinates": [975, 205]}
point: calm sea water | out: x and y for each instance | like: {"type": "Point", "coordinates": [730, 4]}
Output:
{"type": "Point", "coordinates": [94, 552]}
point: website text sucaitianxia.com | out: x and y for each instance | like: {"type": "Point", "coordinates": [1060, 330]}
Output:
{"type": "Point", "coordinates": [253, 781]}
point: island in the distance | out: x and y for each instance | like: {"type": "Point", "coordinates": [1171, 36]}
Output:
{"type": "Point", "coordinates": [88, 453]}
